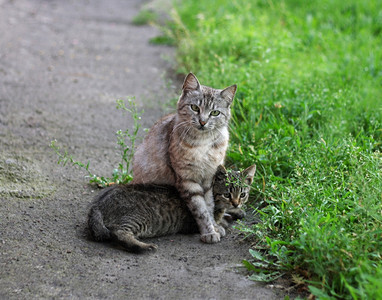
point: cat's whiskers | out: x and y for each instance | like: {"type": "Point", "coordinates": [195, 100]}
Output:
{"type": "Point", "coordinates": [178, 126]}
{"type": "Point", "coordinates": [184, 134]}
{"type": "Point", "coordinates": [181, 127]}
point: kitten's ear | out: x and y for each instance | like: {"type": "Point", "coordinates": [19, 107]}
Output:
{"type": "Point", "coordinates": [191, 83]}
{"type": "Point", "coordinates": [229, 92]}
{"type": "Point", "coordinates": [249, 173]}
{"type": "Point", "coordinates": [221, 173]}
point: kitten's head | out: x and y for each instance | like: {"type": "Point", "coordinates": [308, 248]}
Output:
{"type": "Point", "coordinates": [231, 188]}
{"type": "Point", "coordinates": [202, 107]}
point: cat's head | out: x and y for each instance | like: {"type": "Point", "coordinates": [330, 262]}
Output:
{"type": "Point", "coordinates": [231, 188]}
{"type": "Point", "coordinates": [204, 108]}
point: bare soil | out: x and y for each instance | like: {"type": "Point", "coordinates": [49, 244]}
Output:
{"type": "Point", "coordinates": [63, 64]}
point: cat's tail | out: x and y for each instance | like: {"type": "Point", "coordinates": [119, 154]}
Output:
{"type": "Point", "coordinates": [97, 228]}
{"type": "Point", "coordinates": [127, 239]}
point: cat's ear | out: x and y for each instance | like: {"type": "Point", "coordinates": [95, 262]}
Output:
{"type": "Point", "coordinates": [221, 172]}
{"type": "Point", "coordinates": [229, 92]}
{"type": "Point", "coordinates": [248, 174]}
{"type": "Point", "coordinates": [191, 83]}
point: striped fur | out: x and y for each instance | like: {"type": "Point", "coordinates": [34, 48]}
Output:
{"type": "Point", "coordinates": [184, 149]}
{"type": "Point", "coordinates": [126, 213]}
{"type": "Point", "coordinates": [238, 192]}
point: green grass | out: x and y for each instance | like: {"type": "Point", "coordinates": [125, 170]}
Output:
{"type": "Point", "coordinates": [308, 112]}
{"type": "Point", "coordinates": [162, 40]}
{"type": "Point", "coordinates": [145, 17]}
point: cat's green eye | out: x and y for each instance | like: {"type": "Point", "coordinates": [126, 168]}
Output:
{"type": "Point", "coordinates": [242, 195]}
{"type": "Point", "coordinates": [215, 113]}
{"type": "Point", "coordinates": [194, 107]}
{"type": "Point", "coordinates": [227, 195]}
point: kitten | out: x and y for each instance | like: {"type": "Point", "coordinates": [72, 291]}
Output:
{"type": "Point", "coordinates": [239, 187]}
{"type": "Point", "coordinates": [184, 149]}
{"type": "Point", "coordinates": [127, 212]}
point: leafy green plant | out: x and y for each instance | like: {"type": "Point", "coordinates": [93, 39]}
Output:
{"type": "Point", "coordinates": [269, 266]}
{"type": "Point", "coordinates": [123, 173]}
{"type": "Point", "coordinates": [126, 144]}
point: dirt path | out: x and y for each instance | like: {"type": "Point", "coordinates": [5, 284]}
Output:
{"type": "Point", "coordinates": [62, 66]}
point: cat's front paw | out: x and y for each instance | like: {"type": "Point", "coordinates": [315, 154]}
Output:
{"type": "Point", "coordinates": [150, 247]}
{"type": "Point", "coordinates": [210, 238]}
{"type": "Point", "coordinates": [220, 229]}
{"type": "Point", "coordinates": [235, 213]}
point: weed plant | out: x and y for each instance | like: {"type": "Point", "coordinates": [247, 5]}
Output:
{"type": "Point", "coordinates": [125, 146]}
{"type": "Point", "coordinates": [308, 112]}
{"type": "Point", "coordinates": [144, 17]}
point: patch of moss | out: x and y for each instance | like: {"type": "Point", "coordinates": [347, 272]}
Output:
{"type": "Point", "coordinates": [22, 178]}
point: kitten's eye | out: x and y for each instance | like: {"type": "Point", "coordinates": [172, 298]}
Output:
{"type": "Point", "coordinates": [194, 107]}
{"type": "Point", "coordinates": [242, 195]}
{"type": "Point", "coordinates": [215, 113]}
{"type": "Point", "coordinates": [227, 195]}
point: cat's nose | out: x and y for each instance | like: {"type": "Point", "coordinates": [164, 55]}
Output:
{"type": "Point", "coordinates": [201, 122]}
{"type": "Point", "coordinates": [235, 204]}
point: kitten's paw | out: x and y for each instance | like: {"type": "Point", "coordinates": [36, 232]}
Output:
{"type": "Point", "coordinates": [235, 213]}
{"type": "Point", "coordinates": [224, 223]}
{"type": "Point", "coordinates": [227, 218]}
{"type": "Point", "coordinates": [220, 229]}
{"type": "Point", "coordinates": [151, 247]}
{"type": "Point", "coordinates": [143, 247]}
{"type": "Point", "coordinates": [210, 238]}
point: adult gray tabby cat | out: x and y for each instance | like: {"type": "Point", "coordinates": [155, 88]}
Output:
{"type": "Point", "coordinates": [127, 212]}
{"type": "Point", "coordinates": [184, 149]}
